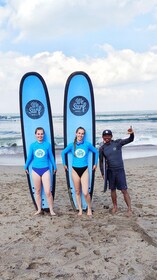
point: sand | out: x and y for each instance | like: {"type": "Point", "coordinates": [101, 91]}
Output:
{"type": "Point", "coordinates": [69, 247]}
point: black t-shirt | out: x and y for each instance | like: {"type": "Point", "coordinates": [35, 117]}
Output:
{"type": "Point", "coordinates": [113, 153]}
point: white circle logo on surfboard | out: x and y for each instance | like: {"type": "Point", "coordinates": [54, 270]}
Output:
{"type": "Point", "coordinates": [39, 153]}
{"type": "Point", "coordinates": [79, 153]}
{"type": "Point", "coordinates": [34, 109]}
{"type": "Point", "coordinates": [79, 105]}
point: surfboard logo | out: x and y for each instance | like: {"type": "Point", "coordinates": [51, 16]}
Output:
{"type": "Point", "coordinates": [39, 153]}
{"type": "Point", "coordinates": [79, 153]}
{"type": "Point", "coordinates": [34, 109]}
{"type": "Point", "coordinates": [79, 105]}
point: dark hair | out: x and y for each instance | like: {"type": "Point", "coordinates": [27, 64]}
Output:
{"type": "Point", "coordinates": [80, 127]}
{"type": "Point", "coordinates": [39, 128]}
{"type": "Point", "coordinates": [75, 140]}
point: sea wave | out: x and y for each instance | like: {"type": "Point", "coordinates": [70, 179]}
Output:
{"type": "Point", "coordinates": [129, 152]}
{"type": "Point", "coordinates": [144, 125]}
{"type": "Point", "coordinates": [110, 116]}
{"type": "Point", "coordinates": [12, 144]}
{"type": "Point", "coordinates": [104, 119]}
{"type": "Point", "coordinates": [9, 117]}
{"type": "Point", "coordinates": [126, 117]}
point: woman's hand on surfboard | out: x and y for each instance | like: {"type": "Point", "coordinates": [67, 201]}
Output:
{"type": "Point", "coordinates": [26, 171]}
{"type": "Point", "coordinates": [94, 167]}
{"type": "Point", "coordinates": [66, 167]}
{"type": "Point", "coordinates": [54, 171]}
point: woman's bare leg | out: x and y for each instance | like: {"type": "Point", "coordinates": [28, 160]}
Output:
{"type": "Point", "coordinates": [37, 185]}
{"type": "Point", "coordinates": [77, 182]}
{"type": "Point", "coordinates": [85, 184]}
{"type": "Point", "coordinates": [47, 189]}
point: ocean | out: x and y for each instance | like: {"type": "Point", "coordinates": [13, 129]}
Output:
{"type": "Point", "coordinates": [144, 124]}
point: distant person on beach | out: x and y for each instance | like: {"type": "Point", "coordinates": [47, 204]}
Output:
{"type": "Point", "coordinates": [111, 150]}
{"type": "Point", "coordinates": [80, 174]}
{"type": "Point", "coordinates": [40, 153]}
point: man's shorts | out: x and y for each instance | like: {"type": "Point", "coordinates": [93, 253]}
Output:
{"type": "Point", "coordinates": [117, 179]}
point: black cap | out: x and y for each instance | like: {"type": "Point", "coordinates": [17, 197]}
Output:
{"type": "Point", "coordinates": [107, 132]}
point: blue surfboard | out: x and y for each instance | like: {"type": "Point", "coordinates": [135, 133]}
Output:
{"type": "Point", "coordinates": [35, 111]}
{"type": "Point", "coordinates": [79, 110]}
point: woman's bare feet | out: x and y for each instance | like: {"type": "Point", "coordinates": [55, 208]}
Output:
{"type": "Point", "coordinates": [38, 212]}
{"type": "Point", "coordinates": [52, 213]}
{"type": "Point", "coordinates": [80, 213]}
{"type": "Point", "coordinates": [89, 212]}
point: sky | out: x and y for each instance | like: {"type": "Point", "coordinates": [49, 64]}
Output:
{"type": "Point", "coordinates": [113, 41]}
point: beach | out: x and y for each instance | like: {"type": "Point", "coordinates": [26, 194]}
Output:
{"type": "Point", "coordinates": [106, 246]}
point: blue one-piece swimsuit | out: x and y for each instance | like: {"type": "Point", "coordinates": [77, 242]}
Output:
{"type": "Point", "coordinates": [40, 154]}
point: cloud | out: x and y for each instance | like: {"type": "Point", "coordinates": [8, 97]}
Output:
{"type": "Point", "coordinates": [153, 48]}
{"type": "Point", "coordinates": [56, 38]}
{"type": "Point", "coordinates": [40, 19]}
{"type": "Point", "coordinates": [121, 79]}
{"type": "Point", "coordinates": [124, 67]}
{"type": "Point", "coordinates": [152, 27]}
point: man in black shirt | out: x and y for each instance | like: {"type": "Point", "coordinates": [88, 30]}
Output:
{"type": "Point", "coordinates": [112, 151]}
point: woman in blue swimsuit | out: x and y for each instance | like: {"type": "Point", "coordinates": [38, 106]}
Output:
{"type": "Point", "coordinates": [79, 149]}
{"type": "Point", "coordinates": [39, 154]}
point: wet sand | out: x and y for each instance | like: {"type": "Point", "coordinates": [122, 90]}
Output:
{"type": "Point", "coordinates": [106, 246]}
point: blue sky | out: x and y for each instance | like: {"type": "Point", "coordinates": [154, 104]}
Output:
{"type": "Point", "coordinates": [113, 41]}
